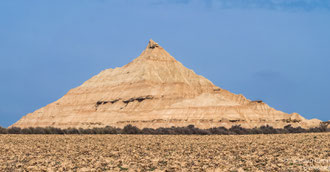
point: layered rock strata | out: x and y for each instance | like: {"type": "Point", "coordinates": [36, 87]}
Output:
{"type": "Point", "coordinates": [155, 90]}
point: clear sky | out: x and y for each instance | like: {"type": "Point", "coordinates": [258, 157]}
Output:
{"type": "Point", "coordinates": [277, 51]}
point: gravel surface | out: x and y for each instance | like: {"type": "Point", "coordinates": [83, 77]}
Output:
{"type": "Point", "coordinates": [282, 152]}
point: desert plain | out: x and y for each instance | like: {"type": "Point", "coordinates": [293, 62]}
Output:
{"type": "Point", "coordinates": [274, 152]}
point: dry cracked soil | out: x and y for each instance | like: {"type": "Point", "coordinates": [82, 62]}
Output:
{"type": "Point", "coordinates": [281, 152]}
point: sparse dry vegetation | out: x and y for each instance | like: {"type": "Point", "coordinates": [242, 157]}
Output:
{"type": "Point", "coordinates": [279, 152]}
{"type": "Point", "coordinates": [189, 130]}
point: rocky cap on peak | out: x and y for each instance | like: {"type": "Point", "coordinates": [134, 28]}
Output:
{"type": "Point", "coordinates": [155, 52]}
{"type": "Point", "coordinates": [152, 44]}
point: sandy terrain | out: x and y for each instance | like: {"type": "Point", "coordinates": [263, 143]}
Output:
{"type": "Point", "coordinates": [295, 152]}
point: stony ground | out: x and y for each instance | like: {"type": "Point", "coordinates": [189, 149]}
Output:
{"type": "Point", "coordinates": [289, 152]}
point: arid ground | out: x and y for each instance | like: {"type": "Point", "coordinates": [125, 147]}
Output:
{"type": "Point", "coordinates": [282, 152]}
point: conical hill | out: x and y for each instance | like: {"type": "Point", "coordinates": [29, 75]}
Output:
{"type": "Point", "coordinates": [155, 90]}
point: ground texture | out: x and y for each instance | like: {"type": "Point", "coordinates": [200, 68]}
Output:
{"type": "Point", "coordinates": [289, 152]}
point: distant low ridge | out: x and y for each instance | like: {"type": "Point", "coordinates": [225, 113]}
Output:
{"type": "Point", "coordinates": [152, 91]}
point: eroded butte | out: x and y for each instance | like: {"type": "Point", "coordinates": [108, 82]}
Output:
{"type": "Point", "coordinates": [155, 90]}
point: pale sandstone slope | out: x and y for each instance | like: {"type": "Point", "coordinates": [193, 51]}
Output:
{"type": "Point", "coordinates": [155, 90]}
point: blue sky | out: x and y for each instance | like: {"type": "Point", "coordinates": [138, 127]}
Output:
{"type": "Point", "coordinates": [274, 50]}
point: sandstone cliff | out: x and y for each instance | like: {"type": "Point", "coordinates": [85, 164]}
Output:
{"type": "Point", "coordinates": [155, 90]}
